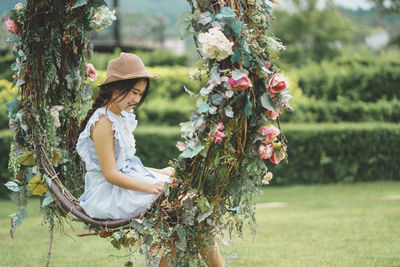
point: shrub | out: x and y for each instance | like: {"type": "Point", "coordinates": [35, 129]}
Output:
{"type": "Point", "coordinates": [159, 57]}
{"type": "Point", "coordinates": [313, 110]}
{"type": "Point", "coordinates": [318, 153]}
{"type": "Point", "coordinates": [355, 79]}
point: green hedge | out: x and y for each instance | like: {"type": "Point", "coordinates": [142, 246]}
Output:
{"type": "Point", "coordinates": [362, 79]}
{"type": "Point", "coordinates": [313, 110]}
{"type": "Point", "coordinates": [318, 153]}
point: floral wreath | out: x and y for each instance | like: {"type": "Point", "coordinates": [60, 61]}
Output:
{"type": "Point", "coordinates": [226, 146]}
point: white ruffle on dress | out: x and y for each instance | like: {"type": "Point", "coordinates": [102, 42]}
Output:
{"type": "Point", "coordinates": [102, 199]}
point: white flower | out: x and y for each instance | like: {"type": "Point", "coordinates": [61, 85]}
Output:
{"type": "Point", "coordinates": [102, 19]}
{"type": "Point", "coordinates": [18, 6]}
{"type": "Point", "coordinates": [54, 112]}
{"type": "Point", "coordinates": [215, 44]}
{"type": "Point", "coordinates": [267, 178]}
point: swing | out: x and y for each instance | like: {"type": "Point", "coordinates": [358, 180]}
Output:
{"type": "Point", "coordinates": [228, 142]}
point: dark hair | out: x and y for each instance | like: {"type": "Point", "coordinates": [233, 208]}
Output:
{"type": "Point", "coordinates": [123, 87]}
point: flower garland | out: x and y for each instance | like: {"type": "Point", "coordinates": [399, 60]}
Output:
{"type": "Point", "coordinates": [43, 107]}
{"type": "Point", "coordinates": [226, 145]}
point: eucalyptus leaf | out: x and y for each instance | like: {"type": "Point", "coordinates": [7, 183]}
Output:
{"type": "Point", "coordinates": [226, 12]}
{"type": "Point", "coordinates": [184, 23]}
{"type": "Point", "coordinates": [79, 3]}
{"type": "Point", "coordinates": [13, 186]}
{"type": "Point", "coordinates": [191, 152]}
{"type": "Point", "coordinates": [236, 57]}
{"type": "Point", "coordinates": [266, 102]}
{"type": "Point", "coordinates": [229, 111]}
{"type": "Point", "coordinates": [203, 106]}
{"type": "Point", "coordinates": [214, 74]}
{"type": "Point", "coordinates": [48, 199]}
{"type": "Point", "coordinates": [248, 110]}
{"type": "Point", "coordinates": [216, 99]}
{"type": "Point", "coordinates": [237, 74]}
{"type": "Point", "coordinates": [212, 110]}
{"type": "Point", "coordinates": [205, 18]}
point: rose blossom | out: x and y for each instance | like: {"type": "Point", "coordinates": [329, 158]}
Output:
{"type": "Point", "coordinates": [218, 136]}
{"type": "Point", "coordinates": [91, 72]}
{"type": "Point", "coordinates": [220, 126]}
{"type": "Point", "coordinates": [277, 83]}
{"type": "Point", "coordinates": [215, 44]}
{"type": "Point", "coordinates": [270, 133]}
{"type": "Point", "coordinates": [264, 152]}
{"type": "Point", "coordinates": [273, 115]}
{"type": "Point", "coordinates": [240, 85]}
{"type": "Point", "coordinates": [11, 26]}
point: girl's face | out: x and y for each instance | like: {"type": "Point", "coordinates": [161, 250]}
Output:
{"type": "Point", "coordinates": [132, 98]}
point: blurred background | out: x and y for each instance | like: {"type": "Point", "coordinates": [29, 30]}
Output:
{"type": "Point", "coordinates": [343, 64]}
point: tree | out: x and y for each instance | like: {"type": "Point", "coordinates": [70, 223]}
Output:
{"type": "Point", "coordinates": [310, 32]}
{"type": "Point", "coordinates": [387, 6]}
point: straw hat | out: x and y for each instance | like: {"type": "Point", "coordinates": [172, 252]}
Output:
{"type": "Point", "coordinates": [127, 66]}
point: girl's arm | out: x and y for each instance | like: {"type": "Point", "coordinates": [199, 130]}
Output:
{"type": "Point", "coordinates": [167, 171]}
{"type": "Point", "coordinates": [103, 139]}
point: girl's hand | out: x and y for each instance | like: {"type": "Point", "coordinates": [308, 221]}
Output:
{"type": "Point", "coordinates": [156, 188]}
{"type": "Point", "coordinates": [168, 171]}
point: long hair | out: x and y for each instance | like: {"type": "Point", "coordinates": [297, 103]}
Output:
{"type": "Point", "coordinates": [123, 87]}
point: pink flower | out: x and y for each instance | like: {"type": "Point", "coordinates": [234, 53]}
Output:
{"type": "Point", "coordinates": [11, 26]}
{"type": "Point", "coordinates": [264, 152]}
{"type": "Point", "coordinates": [220, 126]}
{"type": "Point", "coordinates": [218, 136]}
{"type": "Point", "coordinates": [54, 112]}
{"type": "Point", "coordinates": [273, 115]}
{"type": "Point", "coordinates": [270, 133]}
{"type": "Point", "coordinates": [240, 85]}
{"type": "Point", "coordinates": [91, 72]}
{"type": "Point", "coordinates": [171, 180]}
{"type": "Point", "coordinates": [268, 64]}
{"type": "Point", "coordinates": [277, 83]}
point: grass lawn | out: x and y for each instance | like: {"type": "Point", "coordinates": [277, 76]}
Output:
{"type": "Point", "coordinates": [318, 225]}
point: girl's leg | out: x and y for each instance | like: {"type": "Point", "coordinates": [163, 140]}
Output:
{"type": "Point", "coordinates": [212, 256]}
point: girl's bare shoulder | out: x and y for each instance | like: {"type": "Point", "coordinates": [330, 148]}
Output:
{"type": "Point", "coordinates": [102, 128]}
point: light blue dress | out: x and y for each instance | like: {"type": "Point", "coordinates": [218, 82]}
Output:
{"type": "Point", "coordinates": [102, 199]}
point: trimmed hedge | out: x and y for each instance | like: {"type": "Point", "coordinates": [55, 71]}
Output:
{"type": "Point", "coordinates": [312, 110]}
{"type": "Point", "coordinates": [362, 79]}
{"type": "Point", "coordinates": [318, 153]}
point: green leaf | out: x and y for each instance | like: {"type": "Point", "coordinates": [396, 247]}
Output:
{"type": "Point", "coordinates": [204, 205]}
{"type": "Point", "coordinates": [236, 27]}
{"type": "Point", "coordinates": [226, 12]}
{"type": "Point", "coordinates": [13, 108]}
{"type": "Point", "coordinates": [229, 111]}
{"type": "Point", "coordinates": [79, 3]}
{"type": "Point", "coordinates": [236, 57]}
{"type": "Point", "coordinates": [249, 108]}
{"type": "Point", "coordinates": [191, 152]}
{"type": "Point", "coordinates": [184, 23]}
{"type": "Point", "coordinates": [47, 200]}
{"type": "Point", "coordinates": [216, 99]}
{"type": "Point", "coordinates": [203, 106]}
{"type": "Point", "coordinates": [27, 159]}
{"type": "Point", "coordinates": [17, 219]}
{"type": "Point", "coordinates": [13, 186]}
{"type": "Point", "coordinates": [266, 102]}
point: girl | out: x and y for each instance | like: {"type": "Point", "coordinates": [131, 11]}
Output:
{"type": "Point", "coordinates": [117, 185]}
